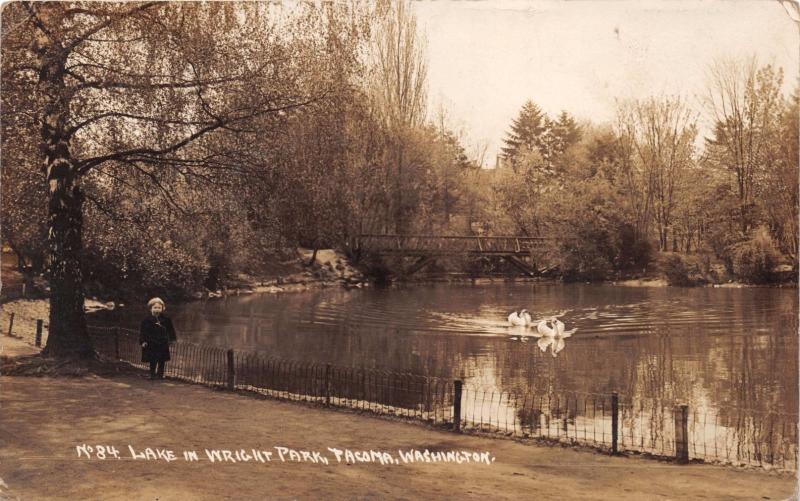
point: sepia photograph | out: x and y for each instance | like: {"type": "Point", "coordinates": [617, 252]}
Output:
{"type": "Point", "coordinates": [399, 249]}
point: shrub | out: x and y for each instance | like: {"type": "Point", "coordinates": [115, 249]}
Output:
{"type": "Point", "coordinates": [604, 242]}
{"type": "Point", "coordinates": [676, 270]}
{"type": "Point", "coordinates": [584, 261]}
{"type": "Point", "coordinates": [754, 259]}
{"type": "Point", "coordinates": [375, 267]}
{"type": "Point", "coordinates": [632, 253]}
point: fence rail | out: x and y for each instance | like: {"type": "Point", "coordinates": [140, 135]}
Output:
{"type": "Point", "coordinates": [432, 244]}
{"type": "Point", "coordinates": [611, 422]}
{"type": "Point", "coordinates": [13, 290]}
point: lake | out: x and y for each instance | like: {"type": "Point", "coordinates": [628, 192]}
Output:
{"type": "Point", "coordinates": [721, 351]}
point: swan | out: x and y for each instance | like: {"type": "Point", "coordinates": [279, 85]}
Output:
{"type": "Point", "coordinates": [557, 331]}
{"type": "Point", "coordinates": [545, 329]}
{"type": "Point", "coordinates": [521, 319]}
{"type": "Point", "coordinates": [553, 337]}
{"type": "Point", "coordinates": [558, 327]}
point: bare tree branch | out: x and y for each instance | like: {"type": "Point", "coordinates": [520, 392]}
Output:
{"type": "Point", "coordinates": [87, 164]}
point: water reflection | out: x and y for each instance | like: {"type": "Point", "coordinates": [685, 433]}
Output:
{"type": "Point", "coordinates": [720, 351]}
{"type": "Point", "coordinates": [555, 344]}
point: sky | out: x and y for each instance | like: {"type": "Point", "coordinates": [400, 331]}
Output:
{"type": "Point", "coordinates": [486, 58]}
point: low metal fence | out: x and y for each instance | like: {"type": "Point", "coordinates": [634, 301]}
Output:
{"type": "Point", "coordinates": [385, 392]}
{"type": "Point", "coordinates": [616, 424]}
{"type": "Point", "coordinates": [610, 422]}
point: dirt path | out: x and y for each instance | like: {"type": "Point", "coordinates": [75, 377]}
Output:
{"type": "Point", "coordinates": [43, 419]}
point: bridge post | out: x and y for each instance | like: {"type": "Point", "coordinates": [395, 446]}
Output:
{"type": "Point", "coordinates": [520, 265]}
{"type": "Point", "coordinates": [421, 263]}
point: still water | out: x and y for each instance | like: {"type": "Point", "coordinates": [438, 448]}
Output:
{"type": "Point", "coordinates": [707, 346]}
{"type": "Point", "coordinates": [719, 363]}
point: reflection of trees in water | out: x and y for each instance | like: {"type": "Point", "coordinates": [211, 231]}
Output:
{"type": "Point", "coordinates": [301, 330]}
{"type": "Point", "coordinates": [738, 353]}
{"type": "Point", "coordinates": [739, 385]}
{"type": "Point", "coordinates": [552, 415]}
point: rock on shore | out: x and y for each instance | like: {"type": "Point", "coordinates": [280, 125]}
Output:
{"type": "Point", "coordinates": [328, 269]}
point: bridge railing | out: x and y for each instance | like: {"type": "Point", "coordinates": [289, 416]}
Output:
{"type": "Point", "coordinates": [449, 244]}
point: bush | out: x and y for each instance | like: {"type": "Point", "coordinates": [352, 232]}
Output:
{"type": "Point", "coordinates": [604, 242]}
{"type": "Point", "coordinates": [754, 259]}
{"type": "Point", "coordinates": [676, 270]}
{"type": "Point", "coordinates": [632, 253]}
{"type": "Point", "coordinates": [586, 258]}
{"type": "Point", "coordinates": [374, 267]}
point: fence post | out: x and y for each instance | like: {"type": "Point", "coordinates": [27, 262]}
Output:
{"type": "Point", "coordinates": [457, 385]}
{"type": "Point", "coordinates": [682, 433]}
{"type": "Point", "coordinates": [614, 423]}
{"type": "Point", "coordinates": [116, 342]}
{"type": "Point", "coordinates": [38, 339]}
{"type": "Point", "coordinates": [10, 323]}
{"type": "Point", "coordinates": [327, 384]}
{"type": "Point", "coordinates": [231, 372]}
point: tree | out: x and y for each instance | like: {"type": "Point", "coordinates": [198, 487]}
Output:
{"type": "Point", "coordinates": [526, 134]}
{"type": "Point", "coordinates": [23, 216]}
{"type": "Point", "coordinates": [562, 134]}
{"type": "Point", "coordinates": [657, 136]}
{"type": "Point", "coordinates": [779, 193]}
{"type": "Point", "coordinates": [134, 87]}
{"type": "Point", "coordinates": [519, 194]}
{"type": "Point", "coordinates": [310, 162]}
{"type": "Point", "coordinates": [534, 131]}
{"type": "Point", "coordinates": [398, 90]}
{"type": "Point", "coordinates": [745, 104]}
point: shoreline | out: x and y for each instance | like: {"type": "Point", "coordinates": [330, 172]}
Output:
{"type": "Point", "coordinates": [331, 268]}
{"type": "Point", "coordinates": [38, 308]}
{"type": "Point", "coordinates": [624, 282]}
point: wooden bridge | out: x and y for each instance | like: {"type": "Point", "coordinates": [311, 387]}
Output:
{"type": "Point", "coordinates": [518, 251]}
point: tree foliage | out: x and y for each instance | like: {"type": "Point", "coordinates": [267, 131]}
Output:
{"type": "Point", "coordinates": [642, 183]}
{"type": "Point", "coordinates": [167, 147]}
{"type": "Point", "coordinates": [745, 103]}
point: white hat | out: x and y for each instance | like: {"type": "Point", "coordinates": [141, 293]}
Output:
{"type": "Point", "coordinates": [156, 300]}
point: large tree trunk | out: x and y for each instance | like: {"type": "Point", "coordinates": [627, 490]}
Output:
{"type": "Point", "coordinates": [68, 336]}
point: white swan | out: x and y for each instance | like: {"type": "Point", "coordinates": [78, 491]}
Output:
{"type": "Point", "coordinates": [559, 328]}
{"type": "Point", "coordinates": [521, 319]}
{"type": "Point", "coordinates": [553, 336]}
{"type": "Point", "coordinates": [545, 329]}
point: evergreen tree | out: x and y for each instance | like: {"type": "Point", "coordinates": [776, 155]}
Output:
{"type": "Point", "coordinates": [565, 133]}
{"type": "Point", "coordinates": [527, 133]}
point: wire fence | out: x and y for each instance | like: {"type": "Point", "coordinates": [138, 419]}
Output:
{"type": "Point", "coordinates": [28, 329]}
{"type": "Point", "coordinates": [609, 422]}
{"type": "Point", "coordinates": [384, 392]}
